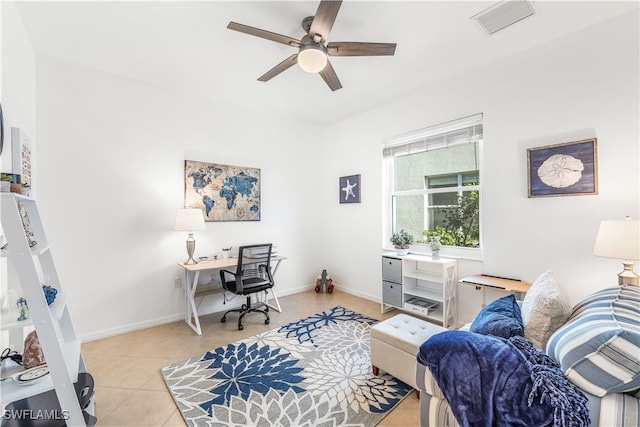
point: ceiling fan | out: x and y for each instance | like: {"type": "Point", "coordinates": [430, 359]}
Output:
{"type": "Point", "coordinates": [313, 49]}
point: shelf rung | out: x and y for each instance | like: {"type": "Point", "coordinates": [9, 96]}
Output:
{"type": "Point", "coordinates": [11, 391]}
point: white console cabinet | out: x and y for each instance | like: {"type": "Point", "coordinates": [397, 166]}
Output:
{"type": "Point", "coordinates": [420, 285]}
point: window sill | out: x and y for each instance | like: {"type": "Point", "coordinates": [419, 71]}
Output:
{"type": "Point", "coordinates": [472, 254]}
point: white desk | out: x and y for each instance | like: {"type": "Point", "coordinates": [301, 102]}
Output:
{"type": "Point", "coordinates": [192, 275]}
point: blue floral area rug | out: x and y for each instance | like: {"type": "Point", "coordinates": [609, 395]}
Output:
{"type": "Point", "coordinates": [313, 372]}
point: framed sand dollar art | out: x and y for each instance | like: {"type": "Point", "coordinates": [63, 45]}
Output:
{"type": "Point", "coordinates": [568, 169]}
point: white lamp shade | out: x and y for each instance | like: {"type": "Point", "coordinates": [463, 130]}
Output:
{"type": "Point", "coordinates": [618, 239]}
{"type": "Point", "coordinates": [189, 220]}
{"type": "Point", "coordinates": [311, 59]}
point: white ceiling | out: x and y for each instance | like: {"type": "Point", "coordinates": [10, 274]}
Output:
{"type": "Point", "coordinates": [185, 46]}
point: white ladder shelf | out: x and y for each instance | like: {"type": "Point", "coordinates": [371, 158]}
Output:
{"type": "Point", "coordinates": [34, 268]}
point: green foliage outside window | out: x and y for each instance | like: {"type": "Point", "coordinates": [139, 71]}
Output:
{"type": "Point", "coordinates": [461, 226]}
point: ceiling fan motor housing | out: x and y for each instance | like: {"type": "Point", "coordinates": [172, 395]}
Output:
{"type": "Point", "coordinates": [312, 57]}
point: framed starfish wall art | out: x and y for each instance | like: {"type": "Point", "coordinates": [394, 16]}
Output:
{"type": "Point", "coordinates": [568, 169]}
{"type": "Point", "coordinates": [350, 189]}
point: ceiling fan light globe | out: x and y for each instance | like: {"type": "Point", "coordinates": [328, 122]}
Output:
{"type": "Point", "coordinates": [312, 60]}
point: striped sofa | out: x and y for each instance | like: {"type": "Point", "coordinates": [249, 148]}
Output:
{"type": "Point", "coordinates": [598, 349]}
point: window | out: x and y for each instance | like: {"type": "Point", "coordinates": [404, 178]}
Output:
{"type": "Point", "coordinates": [434, 182]}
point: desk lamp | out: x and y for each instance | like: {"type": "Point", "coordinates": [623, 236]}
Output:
{"type": "Point", "coordinates": [620, 239]}
{"type": "Point", "coordinates": [189, 220]}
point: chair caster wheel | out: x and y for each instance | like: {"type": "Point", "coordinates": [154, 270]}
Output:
{"type": "Point", "coordinates": [330, 289]}
{"type": "Point", "coordinates": [317, 289]}
{"type": "Point", "coordinates": [266, 322]}
{"type": "Point", "coordinates": [223, 320]}
{"type": "Point", "coordinates": [240, 327]}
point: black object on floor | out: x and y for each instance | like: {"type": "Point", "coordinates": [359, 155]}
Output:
{"type": "Point", "coordinates": [43, 410]}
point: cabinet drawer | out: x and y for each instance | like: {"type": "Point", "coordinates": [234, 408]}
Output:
{"type": "Point", "coordinates": [392, 293]}
{"type": "Point", "coordinates": [392, 269]}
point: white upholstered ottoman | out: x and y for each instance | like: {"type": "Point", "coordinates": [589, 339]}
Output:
{"type": "Point", "coordinates": [395, 343]}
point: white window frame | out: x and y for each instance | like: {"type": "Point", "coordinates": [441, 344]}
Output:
{"type": "Point", "coordinates": [430, 138]}
{"type": "Point", "coordinates": [459, 188]}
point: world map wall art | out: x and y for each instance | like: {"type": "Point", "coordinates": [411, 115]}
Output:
{"type": "Point", "coordinates": [569, 169]}
{"type": "Point", "coordinates": [223, 192]}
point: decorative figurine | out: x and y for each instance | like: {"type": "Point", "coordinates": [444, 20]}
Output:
{"type": "Point", "coordinates": [324, 282]}
{"type": "Point", "coordinates": [24, 309]}
{"type": "Point", "coordinates": [435, 247]}
{"type": "Point", "coordinates": [50, 293]}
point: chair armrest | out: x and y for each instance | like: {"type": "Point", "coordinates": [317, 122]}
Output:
{"type": "Point", "coordinates": [223, 278]}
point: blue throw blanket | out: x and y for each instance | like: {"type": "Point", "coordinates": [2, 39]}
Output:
{"type": "Point", "coordinates": [491, 381]}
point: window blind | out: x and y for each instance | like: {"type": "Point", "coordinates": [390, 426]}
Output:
{"type": "Point", "coordinates": [460, 131]}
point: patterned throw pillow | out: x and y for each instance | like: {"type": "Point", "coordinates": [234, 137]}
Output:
{"type": "Point", "coordinates": [599, 347]}
{"type": "Point", "coordinates": [545, 308]}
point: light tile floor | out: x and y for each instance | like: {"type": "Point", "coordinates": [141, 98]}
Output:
{"type": "Point", "coordinates": [130, 390]}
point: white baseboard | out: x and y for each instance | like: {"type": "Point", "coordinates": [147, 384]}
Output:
{"type": "Point", "coordinates": [363, 295]}
{"type": "Point", "coordinates": [107, 333]}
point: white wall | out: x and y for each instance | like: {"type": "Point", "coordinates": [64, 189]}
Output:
{"type": "Point", "coordinates": [17, 84]}
{"type": "Point", "coordinates": [18, 97]}
{"type": "Point", "coordinates": [581, 86]}
{"type": "Point", "coordinates": [110, 155]}
{"type": "Point", "coordinates": [113, 152]}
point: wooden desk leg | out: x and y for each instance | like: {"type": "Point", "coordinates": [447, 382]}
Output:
{"type": "Point", "coordinates": [191, 310]}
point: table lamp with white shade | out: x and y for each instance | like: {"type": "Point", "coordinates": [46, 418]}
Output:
{"type": "Point", "coordinates": [620, 239]}
{"type": "Point", "coordinates": [189, 220]}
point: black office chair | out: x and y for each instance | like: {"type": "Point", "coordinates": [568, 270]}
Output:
{"type": "Point", "coordinates": [252, 275]}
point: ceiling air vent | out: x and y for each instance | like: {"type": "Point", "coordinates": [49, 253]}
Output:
{"type": "Point", "coordinates": [503, 14]}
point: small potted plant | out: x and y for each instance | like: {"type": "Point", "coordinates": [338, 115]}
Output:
{"type": "Point", "coordinates": [401, 241]}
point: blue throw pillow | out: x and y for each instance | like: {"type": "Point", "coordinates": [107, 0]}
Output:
{"type": "Point", "coordinates": [501, 318]}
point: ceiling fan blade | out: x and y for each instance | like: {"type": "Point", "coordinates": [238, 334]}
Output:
{"type": "Point", "coordinates": [284, 65]}
{"type": "Point", "coordinates": [279, 38]}
{"type": "Point", "coordinates": [330, 77]}
{"type": "Point", "coordinates": [323, 21]}
{"type": "Point", "coordinates": [360, 49]}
